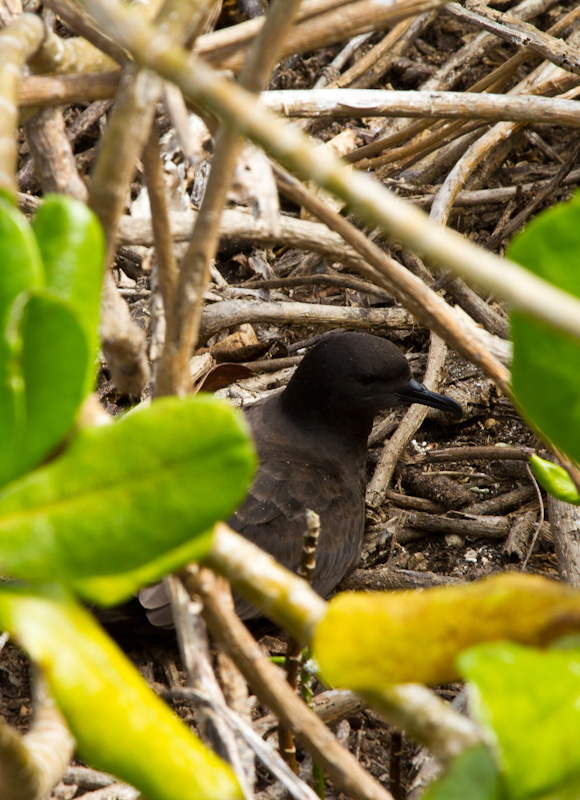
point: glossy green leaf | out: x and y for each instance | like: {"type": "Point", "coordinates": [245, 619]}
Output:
{"type": "Point", "coordinates": [555, 480]}
{"type": "Point", "coordinates": [52, 359]}
{"type": "Point", "coordinates": [73, 250]}
{"type": "Point", "coordinates": [529, 702]}
{"type": "Point", "coordinates": [21, 269]}
{"type": "Point", "coordinates": [119, 724]}
{"type": "Point", "coordinates": [546, 362]}
{"type": "Point", "coordinates": [368, 641]}
{"type": "Point", "coordinates": [126, 494]}
{"type": "Point", "coordinates": [20, 258]}
{"type": "Point", "coordinates": [472, 775]}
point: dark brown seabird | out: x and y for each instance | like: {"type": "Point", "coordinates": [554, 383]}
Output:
{"type": "Point", "coordinates": [311, 440]}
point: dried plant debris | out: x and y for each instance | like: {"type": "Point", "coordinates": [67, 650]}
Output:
{"type": "Point", "coordinates": [461, 503]}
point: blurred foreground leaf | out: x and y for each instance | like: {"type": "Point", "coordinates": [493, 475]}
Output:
{"type": "Point", "coordinates": [21, 269]}
{"type": "Point", "coordinates": [72, 245]}
{"type": "Point", "coordinates": [546, 362]}
{"type": "Point", "coordinates": [529, 701]}
{"type": "Point", "coordinates": [119, 724]}
{"type": "Point", "coordinates": [126, 494]}
{"type": "Point", "coordinates": [51, 356]}
{"type": "Point", "coordinates": [369, 641]}
{"type": "Point", "coordinates": [555, 480]}
{"type": "Point", "coordinates": [472, 775]}
{"type": "Point", "coordinates": [19, 256]}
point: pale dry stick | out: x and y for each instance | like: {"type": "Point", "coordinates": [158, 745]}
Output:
{"type": "Point", "coordinates": [331, 706]}
{"type": "Point", "coordinates": [194, 649]}
{"type": "Point", "coordinates": [353, 103]}
{"type": "Point", "coordinates": [265, 752]}
{"type": "Point", "coordinates": [501, 194]}
{"type": "Point", "coordinates": [542, 194]}
{"type": "Point", "coordinates": [340, 60]}
{"type": "Point", "coordinates": [565, 527]}
{"type": "Point", "coordinates": [31, 765]}
{"type": "Point", "coordinates": [272, 690]}
{"type": "Point", "coordinates": [50, 90]}
{"type": "Point", "coordinates": [184, 320]}
{"type": "Point", "coordinates": [519, 33]}
{"type": "Point", "coordinates": [294, 646]}
{"type": "Point", "coordinates": [396, 444]}
{"type": "Point", "coordinates": [540, 80]}
{"type": "Point", "coordinates": [228, 313]}
{"type": "Point", "coordinates": [124, 344]}
{"type": "Point", "coordinates": [393, 44]}
{"type": "Point", "coordinates": [58, 55]}
{"type": "Point", "coordinates": [459, 65]}
{"type": "Point", "coordinates": [52, 154]}
{"type": "Point", "coordinates": [18, 43]}
{"type": "Point", "coordinates": [226, 48]}
{"type": "Point", "coordinates": [374, 72]}
{"type": "Point", "coordinates": [87, 778]}
{"type": "Point", "coordinates": [411, 422]}
{"type": "Point", "coordinates": [443, 137]}
{"type": "Point", "coordinates": [375, 204]}
{"type": "Point", "coordinates": [494, 81]}
{"type": "Point", "coordinates": [9, 10]}
{"type": "Point", "coordinates": [114, 791]}
{"type": "Point", "coordinates": [237, 697]}
{"type": "Point", "coordinates": [428, 719]}
{"type": "Point", "coordinates": [446, 77]}
{"type": "Point", "coordinates": [165, 264]}
{"type": "Point", "coordinates": [73, 16]}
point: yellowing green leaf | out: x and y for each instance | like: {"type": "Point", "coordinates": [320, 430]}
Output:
{"type": "Point", "coordinates": [119, 724]}
{"type": "Point", "coordinates": [368, 641]}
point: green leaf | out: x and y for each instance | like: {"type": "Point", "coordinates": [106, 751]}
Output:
{"type": "Point", "coordinates": [119, 724]}
{"type": "Point", "coordinates": [73, 249]}
{"type": "Point", "coordinates": [125, 494]}
{"type": "Point", "coordinates": [472, 774]}
{"type": "Point", "coordinates": [52, 357]}
{"type": "Point", "coordinates": [529, 702]}
{"type": "Point", "coordinates": [21, 269]}
{"type": "Point", "coordinates": [546, 362]}
{"type": "Point", "coordinates": [368, 642]}
{"type": "Point", "coordinates": [20, 258]}
{"type": "Point", "coordinates": [555, 480]}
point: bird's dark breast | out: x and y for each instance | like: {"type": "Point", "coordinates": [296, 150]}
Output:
{"type": "Point", "coordinates": [273, 515]}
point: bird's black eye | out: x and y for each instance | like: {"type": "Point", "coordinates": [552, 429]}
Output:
{"type": "Point", "coordinates": [368, 377]}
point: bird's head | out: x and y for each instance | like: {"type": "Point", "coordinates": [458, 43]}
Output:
{"type": "Point", "coordinates": [356, 375]}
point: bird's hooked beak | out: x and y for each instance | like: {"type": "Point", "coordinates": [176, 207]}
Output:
{"type": "Point", "coordinates": [415, 392]}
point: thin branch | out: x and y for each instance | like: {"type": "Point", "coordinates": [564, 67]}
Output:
{"type": "Point", "coordinates": [18, 42]}
{"type": "Point", "coordinates": [353, 103]}
{"type": "Point", "coordinates": [515, 31]}
{"type": "Point", "coordinates": [31, 765]}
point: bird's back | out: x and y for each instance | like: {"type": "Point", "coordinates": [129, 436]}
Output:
{"type": "Point", "coordinates": [296, 473]}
